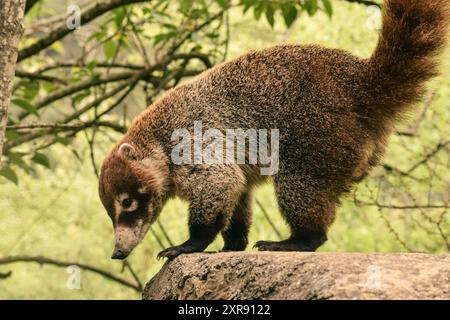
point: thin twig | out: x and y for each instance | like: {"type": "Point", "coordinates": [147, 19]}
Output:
{"type": "Point", "coordinates": [266, 215]}
{"type": "Point", "coordinates": [396, 235]}
{"type": "Point", "coordinates": [165, 233]}
{"type": "Point", "coordinates": [133, 274]}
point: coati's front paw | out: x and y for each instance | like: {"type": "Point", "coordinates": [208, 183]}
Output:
{"type": "Point", "coordinates": [174, 252]}
{"type": "Point", "coordinates": [189, 246]}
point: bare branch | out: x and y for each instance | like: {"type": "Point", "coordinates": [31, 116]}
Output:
{"type": "Point", "coordinates": [68, 91]}
{"type": "Point", "coordinates": [66, 127]}
{"type": "Point", "coordinates": [412, 130]}
{"type": "Point", "coordinates": [360, 203]}
{"type": "Point", "coordinates": [44, 260]}
{"type": "Point", "coordinates": [134, 274]}
{"type": "Point", "coordinates": [431, 154]}
{"type": "Point", "coordinates": [396, 235]}
{"type": "Point", "coordinates": [60, 32]}
{"type": "Point", "coordinates": [36, 76]}
{"type": "Point", "coordinates": [29, 5]}
{"type": "Point", "coordinates": [365, 2]}
{"type": "Point", "coordinates": [165, 234]}
{"type": "Point", "coordinates": [266, 215]}
{"type": "Point", "coordinates": [75, 115]}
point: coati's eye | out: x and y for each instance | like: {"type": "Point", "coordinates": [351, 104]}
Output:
{"type": "Point", "coordinates": [126, 203]}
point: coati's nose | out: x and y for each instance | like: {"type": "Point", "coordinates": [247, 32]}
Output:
{"type": "Point", "coordinates": [119, 254]}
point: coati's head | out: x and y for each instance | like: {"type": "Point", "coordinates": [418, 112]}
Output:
{"type": "Point", "coordinates": [131, 189]}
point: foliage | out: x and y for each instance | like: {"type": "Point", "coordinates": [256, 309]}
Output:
{"type": "Point", "coordinates": [97, 78]}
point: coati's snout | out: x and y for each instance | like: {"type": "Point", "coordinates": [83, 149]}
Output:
{"type": "Point", "coordinates": [128, 237]}
{"type": "Point", "coordinates": [128, 193]}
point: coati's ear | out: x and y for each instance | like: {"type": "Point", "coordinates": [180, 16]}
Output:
{"type": "Point", "coordinates": [128, 151]}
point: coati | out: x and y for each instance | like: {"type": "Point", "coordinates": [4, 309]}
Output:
{"type": "Point", "coordinates": [334, 112]}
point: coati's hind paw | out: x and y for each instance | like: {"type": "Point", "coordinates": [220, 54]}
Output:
{"type": "Point", "coordinates": [307, 242]}
{"type": "Point", "coordinates": [285, 245]}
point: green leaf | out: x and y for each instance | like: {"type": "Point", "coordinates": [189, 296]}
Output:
{"type": "Point", "coordinates": [16, 158]}
{"type": "Point", "coordinates": [31, 90]}
{"type": "Point", "coordinates": [163, 37]}
{"type": "Point", "coordinates": [63, 140]}
{"type": "Point", "coordinates": [11, 135]}
{"type": "Point", "coordinates": [119, 16]}
{"type": "Point", "coordinates": [99, 35]}
{"type": "Point", "coordinates": [26, 105]}
{"type": "Point", "coordinates": [311, 6]}
{"type": "Point", "coordinates": [185, 5]}
{"type": "Point", "coordinates": [270, 13]}
{"type": "Point", "coordinates": [110, 49]}
{"type": "Point", "coordinates": [290, 13]}
{"type": "Point", "coordinates": [91, 65]}
{"type": "Point", "coordinates": [13, 119]}
{"type": "Point", "coordinates": [76, 99]}
{"type": "Point", "coordinates": [248, 4]}
{"type": "Point", "coordinates": [258, 10]}
{"type": "Point", "coordinates": [9, 174]}
{"type": "Point", "coordinates": [77, 155]}
{"type": "Point", "coordinates": [223, 3]}
{"type": "Point", "coordinates": [41, 159]}
{"type": "Point", "coordinates": [328, 7]}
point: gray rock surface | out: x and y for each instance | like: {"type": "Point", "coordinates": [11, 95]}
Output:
{"type": "Point", "coordinates": [285, 275]}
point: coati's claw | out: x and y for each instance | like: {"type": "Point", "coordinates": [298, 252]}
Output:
{"type": "Point", "coordinates": [175, 251]}
{"type": "Point", "coordinates": [170, 253]}
{"type": "Point", "coordinates": [265, 245]}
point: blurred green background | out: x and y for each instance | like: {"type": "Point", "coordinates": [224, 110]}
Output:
{"type": "Point", "coordinates": [56, 212]}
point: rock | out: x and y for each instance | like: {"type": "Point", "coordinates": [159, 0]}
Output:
{"type": "Point", "coordinates": [287, 275]}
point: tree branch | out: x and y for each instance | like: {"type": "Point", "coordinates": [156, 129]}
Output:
{"type": "Point", "coordinates": [266, 215]}
{"type": "Point", "coordinates": [67, 127]}
{"type": "Point", "coordinates": [29, 5]}
{"type": "Point", "coordinates": [365, 2]}
{"type": "Point", "coordinates": [142, 72]}
{"type": "Point", "coordinates": [75, 115]}
{"type": "Point", "coordinates": [65, 92]}
{"type": "Point", "coordinates": [60, 32]}
{"type": "Point", "coordinates": [44, 260]}
{"type": "Point", "coordinates": [36, 76]}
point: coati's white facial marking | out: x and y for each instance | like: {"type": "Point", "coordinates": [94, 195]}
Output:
{"type": "Point", "coordinates": [143, 190]}
{"type": "Point", "coordinates": [124, 203]}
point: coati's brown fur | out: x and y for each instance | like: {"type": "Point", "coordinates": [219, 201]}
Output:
{"type": "Point", "coordinates": [334, 111]}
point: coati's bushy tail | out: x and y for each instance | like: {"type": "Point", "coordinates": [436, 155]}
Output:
{"type": "Point", "coordinates": [413, 34]}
